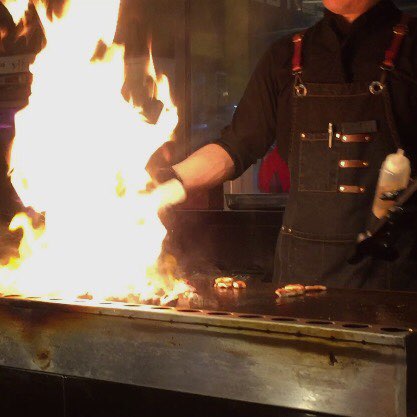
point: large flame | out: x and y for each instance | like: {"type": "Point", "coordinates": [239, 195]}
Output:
{"type": "Point", "coordinates": [16, 8]}
{"type": "Point", "coordinates": [79, 156]}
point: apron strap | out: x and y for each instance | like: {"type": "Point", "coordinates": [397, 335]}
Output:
{"type": "Point", "coordinates": [297, 67]}
{"type": "Point", "coordinates": [400, 31]}
{"type": "Point", "coordinates": [297, 64]}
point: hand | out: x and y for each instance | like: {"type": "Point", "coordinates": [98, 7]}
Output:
{"type": "Point", "coordinates": [379, 246]}
{"type": "Point", "coordinates": [170, 193]}
{"type": "Point", "coordinates": [381, 240]}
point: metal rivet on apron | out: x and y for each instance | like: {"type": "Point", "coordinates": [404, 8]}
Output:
{"type": "Point", "coordinates": [303, 135]}
{"type": "Point", "coordinates": [352, 189]}
{"type": "Point", "coordinates": [357, 138]}
{"type": "Point", "coordinates": [354, 163]}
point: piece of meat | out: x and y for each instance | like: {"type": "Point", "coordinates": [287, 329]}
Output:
{"type": "Point", "coordinates": [222, 285]}
{"type": "Point", "coordinates": [313, 288]}
{"type": "Point", "coordinates": [223, 282]}
{"type": "Point", "coordinates": [239, 285]}
{"type": "Point", "coordinates": [282, 293]}
{"type": "Point", "coordinates": [298, 288]}
{"type": "Point", "coordinates": [229, 282]}
{"type": "Point", "coordinates": [292, 290]}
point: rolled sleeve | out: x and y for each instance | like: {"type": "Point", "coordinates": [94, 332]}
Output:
{"type": "Point", "coordinates": [253, 128]}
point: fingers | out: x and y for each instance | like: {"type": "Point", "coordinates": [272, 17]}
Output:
{"type": "Point", "coordinates": [392, 195]}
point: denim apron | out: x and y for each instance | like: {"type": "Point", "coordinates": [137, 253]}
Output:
{"type": "Point", "coordinates": [341, 134]}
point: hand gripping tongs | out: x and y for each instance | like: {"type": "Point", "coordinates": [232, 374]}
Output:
{"type": "Point", "coordinates": [381, 239]}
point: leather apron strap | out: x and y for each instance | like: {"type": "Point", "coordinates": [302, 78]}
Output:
{"type": "Point", "coordinates": [297, 66]}
{"type": "Point", "coordinates": [400, 31]}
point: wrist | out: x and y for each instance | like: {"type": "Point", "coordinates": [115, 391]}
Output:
{"type": "Point", "coordinates": [164, 175]}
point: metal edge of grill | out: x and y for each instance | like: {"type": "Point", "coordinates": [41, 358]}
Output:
{"type": "Point", "coordinates": [326, 329]}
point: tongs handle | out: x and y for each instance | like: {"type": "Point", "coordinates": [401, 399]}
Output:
{"type": "Point", "coordinates": [379, 241]}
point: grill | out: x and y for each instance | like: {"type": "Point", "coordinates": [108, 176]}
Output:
{"type": "Point", "coordinates": [255, 350]}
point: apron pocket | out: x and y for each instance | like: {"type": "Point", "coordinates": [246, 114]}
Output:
{"type": "Point", "coordinates": [316, 261]}
{"type": "Point", "coordinates": [318, 163]}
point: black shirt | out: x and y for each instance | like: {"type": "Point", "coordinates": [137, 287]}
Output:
{"type": "Point", "coordinates": [330, 55]}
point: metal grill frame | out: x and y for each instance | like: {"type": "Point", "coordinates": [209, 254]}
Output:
{"type": "Point", "coordinates": [348, 369]}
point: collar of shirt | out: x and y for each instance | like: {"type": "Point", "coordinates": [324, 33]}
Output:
{"type": "Point", "coordinates": [379, 15]}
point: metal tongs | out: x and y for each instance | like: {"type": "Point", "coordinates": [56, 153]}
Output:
{"type": "Point", "coordinates": [380, 241]}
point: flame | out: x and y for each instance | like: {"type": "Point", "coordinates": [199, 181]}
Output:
{"type": "Point", "coordinates": [17, 8]}
{"type": "Point", "coordinates": [3, 36]}
{"type": "Point", "coordinates": [79, 157]}
{"type": "Point", "coordinates": [151, 65]}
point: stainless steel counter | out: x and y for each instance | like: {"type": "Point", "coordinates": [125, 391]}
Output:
{"type": "Point", "coordinates": [347, 353]}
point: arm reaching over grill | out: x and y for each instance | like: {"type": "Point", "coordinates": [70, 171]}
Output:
{"type": "Point", "coordinates": [205, 168]}
{"type": "Point", "coordinates": [248, 137]}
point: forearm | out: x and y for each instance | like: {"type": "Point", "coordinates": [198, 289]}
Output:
{"type": "Point", "coordinates": [206, 168]}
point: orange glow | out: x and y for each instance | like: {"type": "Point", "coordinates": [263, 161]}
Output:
{"type": "Point", "coordinates": [79, 156]}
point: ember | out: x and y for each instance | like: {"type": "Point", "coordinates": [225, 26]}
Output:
{"type": "Point", "coordinates": [79, 157]}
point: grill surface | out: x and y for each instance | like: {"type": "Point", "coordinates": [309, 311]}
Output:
{"type": "Point", "coordinates": [372, 307]}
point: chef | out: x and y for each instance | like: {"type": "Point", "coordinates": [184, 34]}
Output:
{"type": "Point", "coordinates": [336, 99]}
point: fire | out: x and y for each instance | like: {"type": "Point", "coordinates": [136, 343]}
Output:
{"type": "Point", "coordinates": [79, 158]}
{"type": "Point", "coordinates": [16, 8]}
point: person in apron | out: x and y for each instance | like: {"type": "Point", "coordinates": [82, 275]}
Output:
{"type": "Point", "coordinates": [335, 136]}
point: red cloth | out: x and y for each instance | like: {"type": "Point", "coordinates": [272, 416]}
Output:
{"type": "Point", "coordinates": [274, 175]}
